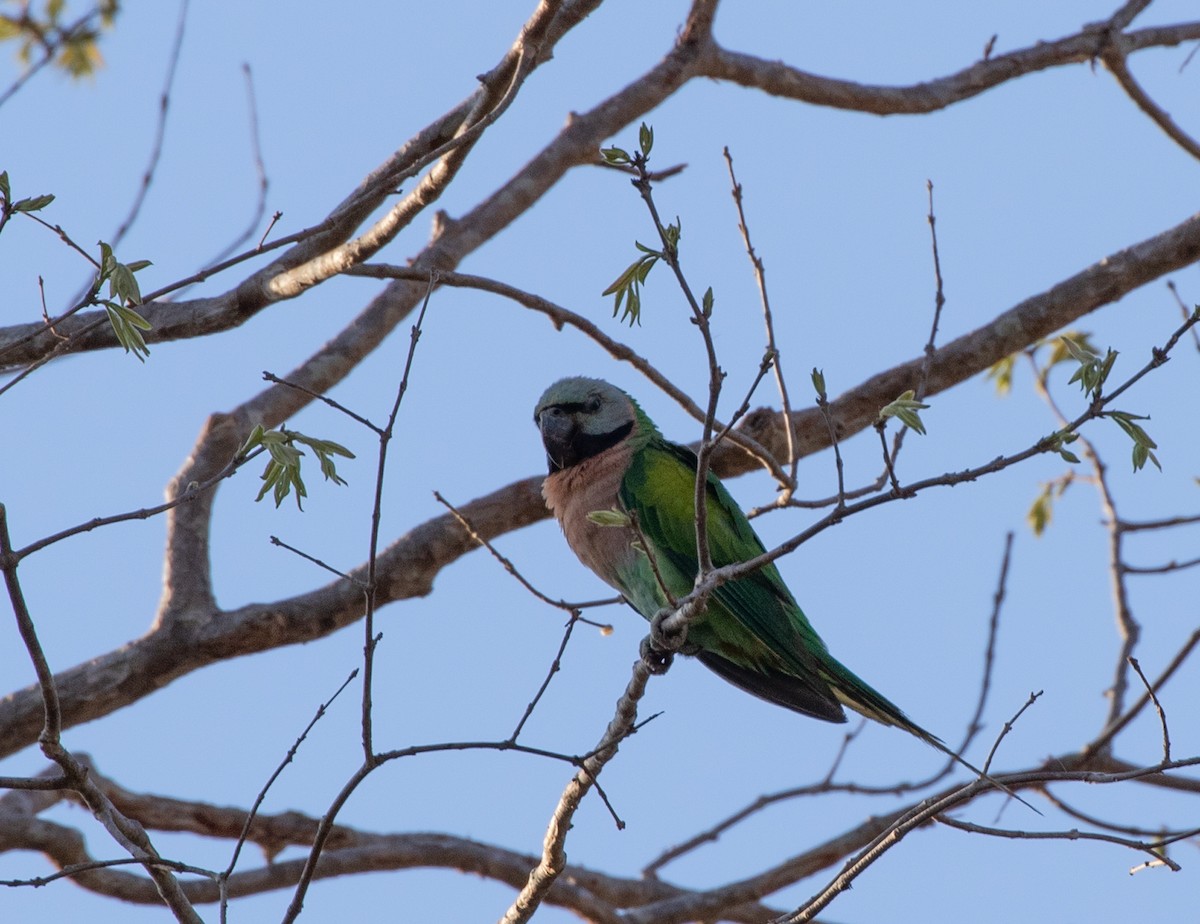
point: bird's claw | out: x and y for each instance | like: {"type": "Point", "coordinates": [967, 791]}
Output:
{"type": "Point", "coordinates": [656, 660]}
{"type": "Point", "coordinates": [667, 637]}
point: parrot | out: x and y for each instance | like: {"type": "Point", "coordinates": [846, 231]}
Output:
{"type": "Point", "coordinates": [625, 499]}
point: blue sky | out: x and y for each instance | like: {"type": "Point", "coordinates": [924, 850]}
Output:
{"type": "Point", "coordinates": [1033, 182]}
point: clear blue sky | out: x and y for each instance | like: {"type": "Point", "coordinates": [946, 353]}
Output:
{"type": "Point", "coordinates": [1033, 182]}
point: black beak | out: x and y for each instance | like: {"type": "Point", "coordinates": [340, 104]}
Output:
{"type": "Point", "coordinates": [558, 434]}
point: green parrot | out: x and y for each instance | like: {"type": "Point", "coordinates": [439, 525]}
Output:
{"type": "Point", "coordinates": [604, 453]}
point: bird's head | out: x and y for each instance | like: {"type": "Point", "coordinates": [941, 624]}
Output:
{"type": "Point", "coordinates": [581, 417]}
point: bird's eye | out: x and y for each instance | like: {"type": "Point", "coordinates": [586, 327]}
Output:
{"type": "Point", "coordinates": [592, 404]}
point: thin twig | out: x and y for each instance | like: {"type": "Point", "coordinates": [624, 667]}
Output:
{"type": "Point", "coordinates": [370, 639]}
{"type": "Point", "coordinates": [1114, 728]}
{"type": "Point", "coordinates": [1132, 830]}
{"type": "Point", "coordinates": [555, 666]}
{"type": "Point", "coordinates": [930, 351]}
{"type": "Point", "coordinates": [506, 563]}
{"type": "Point", "coordinates": [1130, 526]}
{"type": "Point", "coordinates": [989, 654]}
{"type": "Point", "coordinates": [880, 425]}
{"type": "Point", "coordinates": [324, 399]}
{"type": "Point", "coordinates": [288, 758]}
{"type": "Point", "coordinates": [1162, 569]}
{"type": "Point", "coordinates": [827, 416]}
{"type": "Point", "coordinates": [716, 376]}
{"type": "Point", "coordinates": [1155, 849]}
{"type": "Point", "coordinates": [160, 130]}
{"type": "Point", "coordinates": [1128, 628]}
{"type": "Point", "coordinates": [1008, 726]}
{"type": "Point", "coordinates": [75, 869]}
{"type": "Point", "coordinates": [772, 349]}
{"type": "Point", "coordinates": [553, 858]}
{"type": "Point", "coordinates": [276, 541]}
{"type": "Point", "coordinates": [193, 491]}
{"type": "Point", "coordinates": [1162, 716]}
{"type": "Point", "coordinates": [260, 172]}
{"type": "Point", "coordinates": [1184, 310]}
{"type": "Point", "coordinates": [1114, 59]}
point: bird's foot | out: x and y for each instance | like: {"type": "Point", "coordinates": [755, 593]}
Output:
{"type": "Point", "coordinates": [656, 660]}
{"type": "Point", "coordinates": [666, 635]}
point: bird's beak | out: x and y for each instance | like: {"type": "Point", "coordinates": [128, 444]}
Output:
{"type": "Point", "coordinates": [552, 421]}
{"type": "Point", "coordinates": [558, 430]}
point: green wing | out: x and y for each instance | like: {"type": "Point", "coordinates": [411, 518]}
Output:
{"type": "Point", "coordinates": [754, 634]}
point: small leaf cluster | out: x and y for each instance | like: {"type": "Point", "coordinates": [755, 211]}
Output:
{"type": "Point", "coordinates": [1058, 443]}
{"type": "Point", "coordinates": [76, 43]}
{"type": "Point", "coordinates": [8, 208]}
{"type": "Point", "coordinates": [905, 409]}
{"type": "Point", "coordinates": [619, 157]}
{"type": "Point", "coordinates": [282, 473]}
{"type": "Point", "coordinates": [1002, 371]}
{"type": "Point", "coordinates": [1041, 512]}
{"type": "Point", "coordinates": [29, 204]}
{"type": "Point", "coordinates": [1093, 369]}
{"type": "Point", "coordinates": [626, 289]}
{"type": "Point", "coordinates": [818, 380]}
{"type": "Point", "coordinates": [1143, 445]}
{"type": "Point", "coordinates": [123, 293]}
{"type": "Point", "coordinates": [1092, 373]}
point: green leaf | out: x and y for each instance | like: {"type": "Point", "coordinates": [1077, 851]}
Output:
{"type": "Point", "coordinates": [1106, 366]}
{"type": "Point", "coordinates": [282, 474]}
{"type": "Point", "coordinates": [626, 289]}
{"type": "Point", "coordinates": [1093, 370]}
{"type": "Point", "coordinates": [1143, 445]}
{"type": "Point", "coordinates": [1041, 511]}
{"type": "Point", "coordinates": [324, 451]}
{"type": "Point", "coordinates": [1002, 373]}
{"type": "Point", "coordinates": [905, 410]}
{"type": "Point", "coordinates": [5, 189]}
{"type": "Point", "coordinates": [106, 261]}
{"type": "Point", "coordinates": [32, 204]}
{"type": "Point", "coordinates": [706, 303]}
{"type": "Point", "coordinates": [128, 325]}
{"type": "Point", "coordinates": [1058, 440]}
{"type": "Point", "coordinates": [1059, 352]}
{"type": "Point", "coordinates": [123, 285]}
{"type": "Point", "coordinates": [1136, 433]}
{"type": "Point", "coordinates": [1080, 353]}
{"type": "Point", "coordinates": [613, 517]}
{"type": "Point", "coordinates": [645, 139]}
{"type": "Point", "coordinates": [615, 156]}
{"type": "Point", "coordinates": [818, 380]}
{"type": "Point", "coordinates": [672, 233]}
{"type": "Point", "coordinates": [133, 318]}
{"type": "Point", "coordinates": [253, 441]}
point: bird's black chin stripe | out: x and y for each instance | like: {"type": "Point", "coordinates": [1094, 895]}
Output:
{"type": "Point", "coordinates": [587, 445]}
{"type": "Point", "coordinates": [580, 446]}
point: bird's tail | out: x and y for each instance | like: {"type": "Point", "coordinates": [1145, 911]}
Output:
{"type": "Point", "coordinates": [866, 701]}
